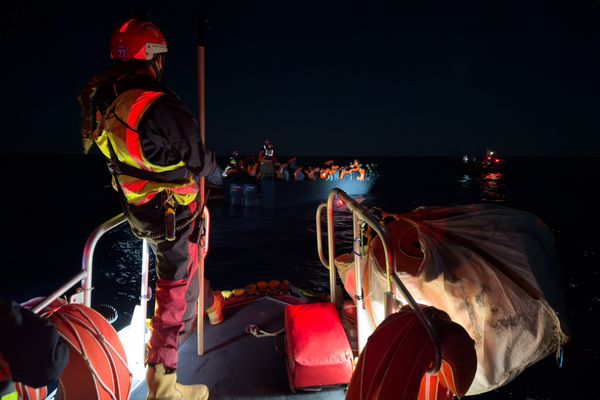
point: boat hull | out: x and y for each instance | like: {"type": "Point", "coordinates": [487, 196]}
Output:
{"type": "Point", "coordinates": [279, 193]}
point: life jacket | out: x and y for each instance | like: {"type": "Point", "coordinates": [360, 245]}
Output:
{"type": "Point", "coordinates": [252, 169]}
{"type": "Point", "coordinates": [312, 173]}
{"type": "Point", "coordinates": [324, 174]}
{"type": "Point", "coordinates": [363, 174]}
{"type": "Point", "coordinates": [118, 138]}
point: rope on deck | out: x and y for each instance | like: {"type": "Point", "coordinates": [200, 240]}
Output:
{"type": "Point", "coordinates": [257, 332]}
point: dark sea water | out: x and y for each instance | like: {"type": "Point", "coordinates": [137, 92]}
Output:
{"type": "Point", "coordinates": [50, 206]}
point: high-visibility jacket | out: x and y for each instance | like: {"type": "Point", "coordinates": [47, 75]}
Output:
{"type": "Point", "coordinates": [7, 387]}
{"type": "Point", "coordinates": [13, 395]}
{"type": "Point", "coordinates": [119, 140]}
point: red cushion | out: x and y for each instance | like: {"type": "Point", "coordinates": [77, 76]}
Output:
{"type": "Point", "coordinates": [318, 351]}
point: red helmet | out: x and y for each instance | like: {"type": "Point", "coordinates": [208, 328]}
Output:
{"type": "Point", "coordinates": [137, 40]}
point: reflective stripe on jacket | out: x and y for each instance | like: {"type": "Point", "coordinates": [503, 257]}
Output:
{"type": "Point", "coordinates": [119, 133]}
{"type": "Point", "coordinates": [11, 396]}
{"type": "Point", "coordinates": [7, 387]}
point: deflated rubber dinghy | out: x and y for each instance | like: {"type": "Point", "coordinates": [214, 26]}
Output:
{"type": "Point", "coordinates": [492, 269]}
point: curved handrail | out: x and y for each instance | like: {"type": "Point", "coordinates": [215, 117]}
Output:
{"type": "Point", "coordinates": [88, 254]}
{"type": "Point", "coordinates": [319, 240]}
{"type": "Point", "coordinates": [85, 276]}
{"type": "Point", "coordinates": [390, 261]}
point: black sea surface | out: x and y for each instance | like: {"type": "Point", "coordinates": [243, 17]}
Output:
{"type": "Point", "coordinates": [50, 204]}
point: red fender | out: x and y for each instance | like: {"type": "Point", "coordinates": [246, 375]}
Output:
{"type": "Point", "coordinates": [394, 362]}
{"type": "Point", "coordinates": [459, 360]}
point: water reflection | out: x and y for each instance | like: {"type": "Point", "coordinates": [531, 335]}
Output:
{"type": "Point", "coordinates": [485, 186]}
{"type": "Point", "coordinates": [493, 187]}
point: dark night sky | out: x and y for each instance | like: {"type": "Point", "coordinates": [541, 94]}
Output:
{"type": "Point", "coordinates": [411, 79]}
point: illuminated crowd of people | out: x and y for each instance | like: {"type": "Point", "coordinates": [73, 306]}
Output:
{"type": "Point", "coordinates": [266, 166]}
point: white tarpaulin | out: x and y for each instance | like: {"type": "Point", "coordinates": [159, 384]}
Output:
{"type": "Point", "coordinates": [493, 269]}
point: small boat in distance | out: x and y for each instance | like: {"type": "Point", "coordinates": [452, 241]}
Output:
{"type": "Point", "coordinates": [490, 163]}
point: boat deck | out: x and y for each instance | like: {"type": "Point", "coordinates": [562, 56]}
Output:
{"type": "Point", "coordinates": [237, 365]}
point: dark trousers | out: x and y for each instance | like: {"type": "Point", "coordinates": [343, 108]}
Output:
{"type": "Point", "coordinates": [177, 285]}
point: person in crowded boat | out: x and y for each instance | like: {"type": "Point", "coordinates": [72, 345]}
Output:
{"type": "Point", "coordinates": [372, 171]}
{"type": "Point", "coordinates": [284, 171]}
{"type": "Point", "coordinates": [334, 172]}
{"type": "Point", "coordinates": [312, 173]}
{"type": "Point", "coordinates": [296, 171]}
{"type": "Point", "coordinates": [31, 350]}
{"type": "Point", "coordinates": [354, 166]}
{"type": "Point", "coordinates": [252, 168]}
{"type": "Point", "coordinates": [156, 156]}
{"type": "Point", "coordinates": [299, 174]}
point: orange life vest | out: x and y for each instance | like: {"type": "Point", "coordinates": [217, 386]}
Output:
{"type": "Point", "coordinates": [118, 137]}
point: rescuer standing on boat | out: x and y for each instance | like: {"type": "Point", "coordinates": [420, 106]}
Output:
{"type": "Point", "coordinates": [155, 153]}
{"type": "Point", "coordinates": [31, 350]}
{"type": "Point", "coordinates": [267, 152]}
{"type": "Point", "coordinates": [266, 159]}
{"type": "Point", "coordinates": [233, 164]}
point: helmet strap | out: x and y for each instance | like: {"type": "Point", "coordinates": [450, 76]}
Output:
{"type": "Point", "coordinates": [157, 64]}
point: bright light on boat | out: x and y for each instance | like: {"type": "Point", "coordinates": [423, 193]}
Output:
{"type": "Point", "coordinates": [134, 338]}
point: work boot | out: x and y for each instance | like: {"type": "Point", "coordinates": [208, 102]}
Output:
{"type": "Point", "coordinates": [215, 312]}
{"type": "Point", "coordinates": [164, 386]}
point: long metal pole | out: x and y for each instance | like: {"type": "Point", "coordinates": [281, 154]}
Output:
{"type": "Point", "coordinates": [202, 125]}
{"type": "Point", "coordinates": [144, 289]}
{"type": "Point", "coordinates": [331, 245]}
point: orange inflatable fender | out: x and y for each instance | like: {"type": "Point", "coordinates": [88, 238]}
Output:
{"type": "Point", "coordinates": [459, 360]}
{"type": "Point", "coordinates": [394, 362]}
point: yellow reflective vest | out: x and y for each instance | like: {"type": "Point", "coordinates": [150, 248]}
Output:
{"type": "Point", "coordinates": [119, 140]}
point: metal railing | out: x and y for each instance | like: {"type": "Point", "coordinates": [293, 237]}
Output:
{"type": "Point", "coordinates": [85, 276]}
{"type": "Point", "coordinates": [84, 293]}
{"type": "Point", "coordinates": [359, 214]}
